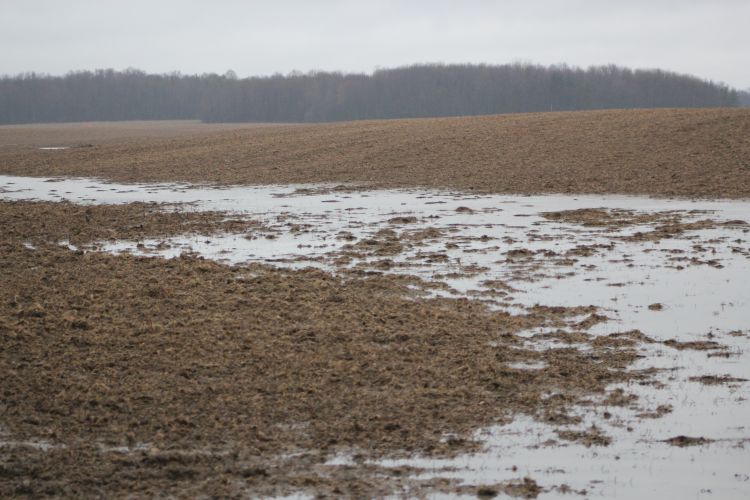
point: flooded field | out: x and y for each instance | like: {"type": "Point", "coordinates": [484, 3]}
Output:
{"type": "Point", "coordinates": [667, 277]}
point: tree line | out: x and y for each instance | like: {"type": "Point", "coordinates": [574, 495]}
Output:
{"type": "Point", "coordinates": [424, 90]}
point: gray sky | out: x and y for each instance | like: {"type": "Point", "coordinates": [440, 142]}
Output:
{"type": "Point", "coordinates": [705, 38]}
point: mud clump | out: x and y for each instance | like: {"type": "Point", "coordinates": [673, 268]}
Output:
{"type": "Point", "coordinates": [402, 220]}
{"type": "Point", "coordinates": [430, 233]}
{"type": "Point", "coordinates": [592, 436]}
{"type": "Point", "coordinates": [683, 441]}
{"type": "Point", "coordinates": [696, 345]}
{"type": "Point", "coordinates": [622, 339]}
{"type": "Point", "coordinates": [673, 229]}
{"type": "Point", "coordinates": [602, 217]}
{"type": "Point", "coordinates": [385, 242]}
{"type": "Point", "coordinates": [526, 488]}
{"type": "Point", "coordinates": [717, 379]}
{"type": "Point", "coordinates": [659, 412]}
{"type": "Point", "coordinates": [519, 488]}
{"type": "Point", "coordinates": [590, 320]}
{"type": "Point", "coordinates": [519, 253]}
{"type": "Point", "coordinates": [346, 236]}
{"type": "Point", "coordinates": [618, 397]}
{"type": "Point", "coordinates": [487, 492]}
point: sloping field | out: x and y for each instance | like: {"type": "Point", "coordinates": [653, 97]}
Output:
{"type": "Point", "coordinates": [659, 152]}
{"type": "Point", "coordinates": [98, 133]}
{"type": "Point", "coordinates": [340, 341]}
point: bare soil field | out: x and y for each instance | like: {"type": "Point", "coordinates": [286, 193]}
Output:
{"type": "Point", "coordinates": [704, 152]}
{"type": "Point", "coordinates": [244, 379]}
{"type": "Point", "coordinates": [335, 340]}
{"type": "Point", "coordinates": [97, 133]}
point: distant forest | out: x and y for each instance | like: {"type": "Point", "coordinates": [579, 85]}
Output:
{"type": "Point", "coordinates": [425, 90]}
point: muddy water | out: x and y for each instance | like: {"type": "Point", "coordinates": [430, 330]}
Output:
{"type": "Point", "coordinates": [502, 250]}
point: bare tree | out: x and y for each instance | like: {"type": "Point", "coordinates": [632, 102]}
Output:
{"type": "Point", "coordinates": [414, 91]}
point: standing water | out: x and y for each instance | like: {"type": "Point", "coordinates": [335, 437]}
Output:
{"type": "Point", "coordinates": [676, 270]}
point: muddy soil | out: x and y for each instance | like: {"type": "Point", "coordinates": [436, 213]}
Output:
{"type": "Point", "coordinates": [702, 152]}
{"type": "Point", "coordinates": [46, 222]}
{"type": "Point", "coordinates": [665, 225]}
{"type": "Point", "coordinates": [129, 375]}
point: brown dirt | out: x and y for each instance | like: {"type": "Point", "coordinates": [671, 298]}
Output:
{"type": "Point", "coordinates": [522, 488]}
{"type": "Point", "coordinates": [664, 225]}
{"type": "Point", "coordinates": [609, 218]}
{"type": "Point", "coordinates": [677, 229]}
{"type": "Point", "coordinates": [190, 378]}
{"type": "Point", "coordinates": [79, 224]}
{"type": "Point", "coordinates": [683, 441]}
{"type": "Point", "coordinates": [89, 134]}
{"type": "Point", "coordinates": [672, 152]}
{"type": "Point", "coordinates": [659, 412]}
{"type": "Point", "coordinates": [697, 345]}
{"type": "Point", "coordinates": [592, 436]}
{"type": "Point", "coordinates": [717, 379]}
{"type": "Point", "coordinates": [187, 377]}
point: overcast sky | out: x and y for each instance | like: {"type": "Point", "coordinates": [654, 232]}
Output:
{"type": "Point", "coordinates": [705, 38]}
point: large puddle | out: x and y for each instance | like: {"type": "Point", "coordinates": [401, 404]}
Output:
{"type": "Point", "coordinates": [673, 269]}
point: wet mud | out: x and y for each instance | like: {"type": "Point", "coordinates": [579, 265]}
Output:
{"type": "Point", "coordinates": [365, 348]}
{"type": "Point", "coordinates": [82, 225]}
{"type": "Point", "coordinates": [145, 376]}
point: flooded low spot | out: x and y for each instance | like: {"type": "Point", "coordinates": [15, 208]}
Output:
{"type": "Point", "coordinates": [668, 276]}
